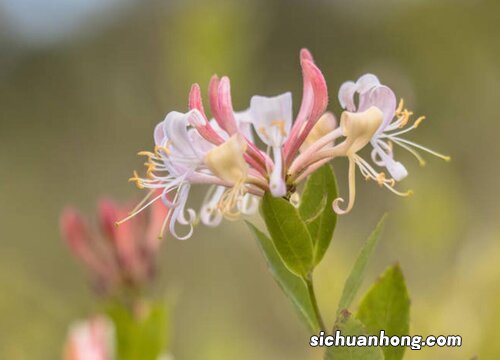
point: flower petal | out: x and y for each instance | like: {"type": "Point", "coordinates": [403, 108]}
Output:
{"type": "Point", "coordinates": [383, 98]}
{"type": "Point", "coordinates": [210, 215]}
{"type": "Point", "coordinates": [272, 117]}
{"type": "Point", "coordinates": [346, 95]}
{"type": "Point", "coordinates": [366, 83]}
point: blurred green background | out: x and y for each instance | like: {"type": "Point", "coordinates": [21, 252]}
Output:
{"type": "Point", "coordinates": [83, 83]}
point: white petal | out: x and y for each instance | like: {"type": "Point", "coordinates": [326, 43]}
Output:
{"type": "Point", "coordinates": [366, 83]}
{"type": "Point", "coordinates": [159, 134]}
{"type": "Point", "coordinates": [385, 159]}
{"type": "Point", "coordinates": [244, 122]}
{"type": "Point", "coordinates": [249, 204]}
{"type": "Point", "coordinates": [346, 95]}
{"type": "Point", "coordinates": [397, 170]}
{"type": "Point", "coordinates": [210, 215]}
{"type": "Point", "coordinates": [196, 118]}
{"type": "Point", "coordinates": [178, 215]}
{"type": "Point", "coordinates": [272, 117]}
{"type": "Point", "coordinates": [383, 98]}
{"type": "Point", "coordinates": [182, 145]}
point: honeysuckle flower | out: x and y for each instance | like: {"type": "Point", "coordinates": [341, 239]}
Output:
{"type": "Point", "coordinates": [395, 122]}
{"type": "Point", "coordinates": [116, 257]}
{"type": "Point", "coordinates": [91, 339]}
{"type": "Point", "coordinates": [272, 118]}
{"type": "Point", "coordinates": [374, 120]}
{"type": "Point", "coordinates": [192, 149]}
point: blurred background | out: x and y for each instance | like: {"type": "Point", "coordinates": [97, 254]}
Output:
{"type": "Point", "coordinates": [83, 82]}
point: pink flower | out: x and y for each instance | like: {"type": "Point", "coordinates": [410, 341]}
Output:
{"type": "Point", "coordinates": [115, 257]}
{"type": "Point", "coordinates": [192, 149]}
{"type": "Point", "coordinates": [91, 339]}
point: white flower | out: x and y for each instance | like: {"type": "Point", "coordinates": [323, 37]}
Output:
{"type": "Point", "coordinates": [372, 93]}
{"type": "Point", "coordinates": [272, 120]}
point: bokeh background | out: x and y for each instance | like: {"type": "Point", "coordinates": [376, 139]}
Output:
{"type": "Point", "coordinates": [83, 82]}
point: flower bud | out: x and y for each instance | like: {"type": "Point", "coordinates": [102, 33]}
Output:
{"type": "Point", "coordinates": [326, 124]}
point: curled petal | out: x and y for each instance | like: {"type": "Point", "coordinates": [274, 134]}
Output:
{"type": "Point", "coordinates": [244, 121]}
{"type": "Point", "coordinates": [205, 128]}
{"type": "Point", "coordinates": [384, 157]}
{"type": "Point", "coordinates": [383, 98]}
{"type": "Point", "coordinates": [352, 191]}
{"type": "Point", "coordinates": [249, 204]}
{"type": "Point", "coordinates": [176, 129]}
{"type": "Point", "coordinates": [159, 134]}
{"type": "Point", "coordinates": [346, 95]}
{"type": "Point", "coordinates": [366, 83]}
{"type": "Point", "coordinates": [397, 170]}
{"type": "Point", "coordinates": [210, 214]}
{"type": "Point", "coordinates": [178, 214]}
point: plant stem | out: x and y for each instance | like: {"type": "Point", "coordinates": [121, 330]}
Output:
{"type": "Point", "coordinates": [314, 302]}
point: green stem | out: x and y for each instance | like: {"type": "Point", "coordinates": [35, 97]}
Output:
{"type": "Point", "coordinates": [314, 302]}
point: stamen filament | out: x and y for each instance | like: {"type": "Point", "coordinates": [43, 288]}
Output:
{"type": "Point", "coordinates": [423, 148]}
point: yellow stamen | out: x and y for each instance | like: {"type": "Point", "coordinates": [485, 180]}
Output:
{"type": "Point", "coordinates": [228, 204]}
{"type": "Point", "coordinates": [280, 124]}
{"type": "Point", "coordinates": [137, 180]}
{"type": "Point", "coordinates": [418, 121]}
{"type": "Point", "coordinates": [146, 153]}
{"type": "Point", "coordinates": [264, 133]}
{"type": "Point", "coordinates": [400, 107]}
{"type": "Point", "coordinates": [165, 149]}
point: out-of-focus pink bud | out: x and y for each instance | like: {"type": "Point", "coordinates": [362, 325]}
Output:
{"type": "Point", "coordinates": [91, 339]}
{"type": "Point", "coordinates": [117, 257]}
{"type": "Point", "coordinates": [76, 234]}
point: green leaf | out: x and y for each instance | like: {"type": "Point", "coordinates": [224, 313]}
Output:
{"type": "Point", "coordinates": [319, 192]}
{"type": "Point", "coordinates": [294, 287]}
{"type": "Point", "coordinates": [386, 306]}
{"type": "Point", "coordinates": [289, 234]}
{"type": "Point", "coordinates": [356, 276]}
{"type": "Point", "coordinates": [141, 334]}
{"type": "Point", "coordinates": [349, 326]}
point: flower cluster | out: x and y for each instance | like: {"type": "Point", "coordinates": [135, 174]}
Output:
{"type": "Point", "coordinates": [117, 258]}
{"type": "Point", "coordinates": [191, 149]}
